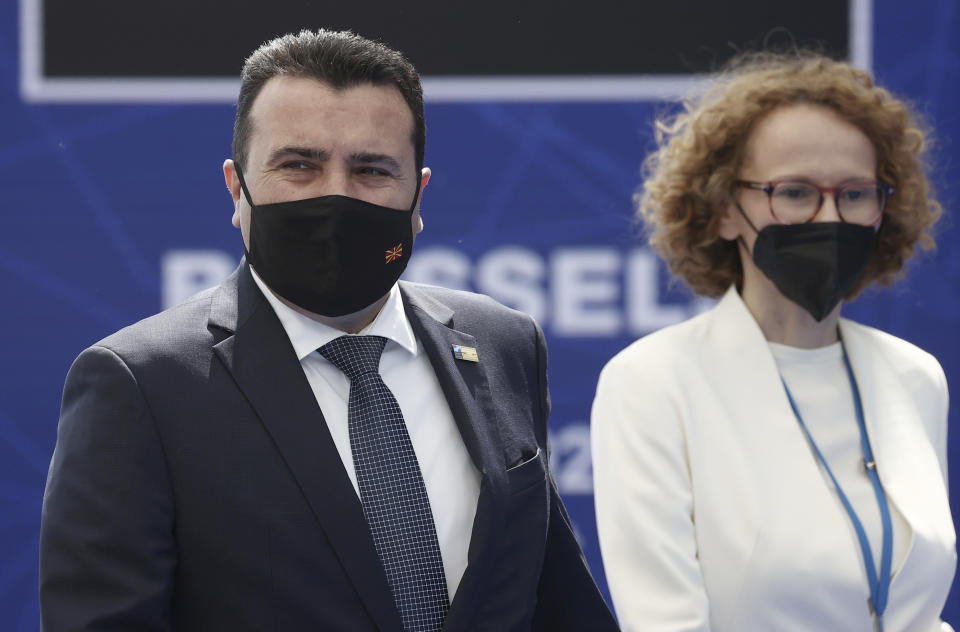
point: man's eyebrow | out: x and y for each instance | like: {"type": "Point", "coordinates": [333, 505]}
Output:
{"type": "Point", "coordinates": [381, 159]}
{"type": "Point", "coordinates": [304, 152]}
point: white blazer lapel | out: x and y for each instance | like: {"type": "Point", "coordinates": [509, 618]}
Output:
{"type": "Point", "coordinates": [904, 402]}
{"type": "Point", "coordinates": [906, 460]}
{"type": "Point", "coordinates": [743, 367]}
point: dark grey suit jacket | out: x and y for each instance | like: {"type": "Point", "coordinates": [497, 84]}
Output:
{"type": "Point", "coordinates": [195, 485]}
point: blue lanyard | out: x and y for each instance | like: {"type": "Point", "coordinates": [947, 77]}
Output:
{"type": "Point", "coordinates": [879, 586]}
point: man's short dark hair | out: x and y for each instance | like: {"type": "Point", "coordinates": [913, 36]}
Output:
{"type": "Point", "coordinates": [340, 59]}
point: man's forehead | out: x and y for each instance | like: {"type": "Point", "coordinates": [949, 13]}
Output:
{"type": "Point", "coordinates": [287, 91]}
{"type": "Point", "coordinates": [295, 110]}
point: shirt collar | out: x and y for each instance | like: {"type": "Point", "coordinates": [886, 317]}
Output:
{"type": "Point", "coordinates": [307, 335]}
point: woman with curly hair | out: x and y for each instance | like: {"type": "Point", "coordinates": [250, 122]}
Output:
{"type": "Point", "coordinates": [769, 465]}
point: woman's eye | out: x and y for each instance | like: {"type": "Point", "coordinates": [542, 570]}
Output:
{"type": "Point", "coordinates": [860, 194]}
{"type": "Point", "coordinates": [793, 193]}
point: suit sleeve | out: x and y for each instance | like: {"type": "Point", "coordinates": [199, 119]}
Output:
{"type": "Point", "coordinates": [567, 596]}
{"type": "Point", "coordinates": [644, 502]}
{"type": "Point", "coordinates": [106, 544]}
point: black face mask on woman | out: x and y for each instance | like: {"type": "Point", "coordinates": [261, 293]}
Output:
{"type": "Point", "coordinates": [331, 255]}
{"type": "Point", "coordinates": [813, 264]}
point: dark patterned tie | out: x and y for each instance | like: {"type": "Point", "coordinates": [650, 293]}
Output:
{"type": "Point", "coordinates": [394, 497]}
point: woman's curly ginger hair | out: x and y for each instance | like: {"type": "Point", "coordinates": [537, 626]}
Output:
{"type": "Point", "coordinates": [690, 178]}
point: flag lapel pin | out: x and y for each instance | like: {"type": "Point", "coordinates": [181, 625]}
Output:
{"type": "Point", "coordinates": [465, 353]}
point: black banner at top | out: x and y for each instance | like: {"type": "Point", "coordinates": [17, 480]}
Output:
{"type": "Point", "coordinates": [506, 38]}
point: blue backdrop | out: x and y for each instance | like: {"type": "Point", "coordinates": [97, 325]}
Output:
{"type": "Point", "coordinates": [111, 212]}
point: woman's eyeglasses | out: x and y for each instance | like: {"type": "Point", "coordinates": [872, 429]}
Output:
{"type": "Point", "coordinates": [798, 202]}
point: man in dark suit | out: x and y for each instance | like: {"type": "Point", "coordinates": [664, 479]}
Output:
{"type": "Point", "coordinates": [314, 445]}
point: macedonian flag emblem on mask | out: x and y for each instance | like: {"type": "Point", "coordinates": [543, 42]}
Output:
{"type": "Point", "coordinates": [394, 253]}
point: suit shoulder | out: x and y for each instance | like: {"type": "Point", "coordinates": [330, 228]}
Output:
{"type": "Point", "coordinates": [919, 373]}
{"type": "Point", "coordinates": [181, 329]}
{"type": "Point", "coordinates": [901, 354]}
{"type": "Point", "coordinates": [665, 350]}
{"type": "Point", "coordinates": [463, 302]}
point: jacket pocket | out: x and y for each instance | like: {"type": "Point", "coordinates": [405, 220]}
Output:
{"type": "Point", "coordinates": [527, 473]}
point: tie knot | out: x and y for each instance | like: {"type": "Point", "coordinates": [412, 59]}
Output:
{"type": "Point", "coordinates": [355, 355]}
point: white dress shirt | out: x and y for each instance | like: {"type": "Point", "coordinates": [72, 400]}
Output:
{"type": "Point", "coordinates": [451, 479]}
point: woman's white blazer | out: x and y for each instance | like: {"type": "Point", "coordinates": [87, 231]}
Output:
{"type": "Point", "coordinates": [712, 510]}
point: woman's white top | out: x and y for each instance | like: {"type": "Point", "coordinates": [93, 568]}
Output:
{"type": "Point", "coordinates": [818, 381]}
{"type": "Point", "coordinates": [714, 514]}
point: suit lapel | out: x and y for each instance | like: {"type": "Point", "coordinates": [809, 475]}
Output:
{"type": "Point", "coordinates": [464, 384]}
{"type": "Point", "coordinates": [739, 362]}
{"type": "Point", "coordinates": [257, 352]}
{"type": "Point", "coordinates": [906, 462]}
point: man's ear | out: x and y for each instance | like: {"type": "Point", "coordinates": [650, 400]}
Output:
{"type": "Point", "coordinates": [233, 185]}
{"type": "Point", "coordinates": [425, 174]}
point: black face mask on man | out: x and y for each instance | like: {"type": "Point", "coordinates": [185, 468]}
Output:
{"type": "Point", "coordinates": [813, 264]}
{"type": "Point", "coordinates": [331, 255]}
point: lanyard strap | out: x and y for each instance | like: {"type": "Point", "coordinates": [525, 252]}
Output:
{"type": "Point", "coordinates": [879, 586]}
